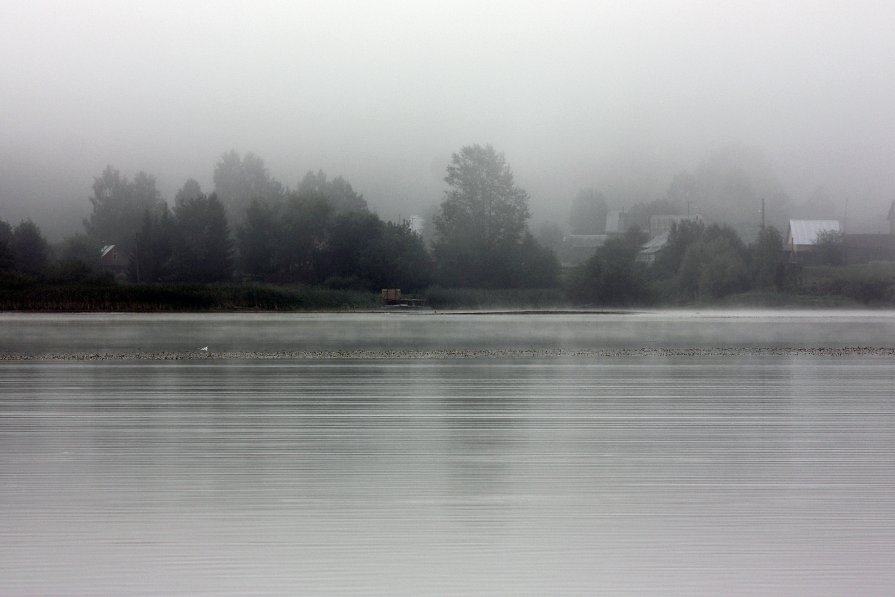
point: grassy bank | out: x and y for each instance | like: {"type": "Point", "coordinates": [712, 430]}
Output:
{"type": "Point", "coordinates": [871, 285]}
{"type": "Point", "coordinates": [181, 297]}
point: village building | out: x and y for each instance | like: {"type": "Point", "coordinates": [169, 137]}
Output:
{"type": "Point", "coordinates": [113, 259]}
{"type": "Point", "coordinates": [651, 249]}
{"type": "Point", "coordinates": [802, 236]}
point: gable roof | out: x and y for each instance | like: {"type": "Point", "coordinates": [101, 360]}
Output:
{"type": "Point", "coordinates": [655, 245]}
{"type": "Point", "coordinates": [804, 232]}
{"type": "Point", "coordinates": [106, 250]}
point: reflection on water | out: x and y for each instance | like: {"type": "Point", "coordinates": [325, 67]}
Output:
{"type": "Point", "coordinates": [645, 476]}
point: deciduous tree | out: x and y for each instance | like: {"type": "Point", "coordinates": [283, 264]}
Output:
{"type": "Point", "coordinates": [482, 225]}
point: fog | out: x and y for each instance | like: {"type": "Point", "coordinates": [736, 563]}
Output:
{"type": "Point", "coordinates": [619, 97]}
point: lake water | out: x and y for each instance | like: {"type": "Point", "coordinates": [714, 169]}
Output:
{"type": "Point", "coordinates": [490, 454]}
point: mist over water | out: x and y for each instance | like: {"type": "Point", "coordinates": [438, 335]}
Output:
{"type": "Point", "coordinates": [743, 473]}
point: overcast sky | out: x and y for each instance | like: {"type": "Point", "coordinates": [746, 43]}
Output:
{"type": "Point", "coordinates": [616, 95]}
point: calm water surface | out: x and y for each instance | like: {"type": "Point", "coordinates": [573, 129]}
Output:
{"type": "Point", "coordinates": [752, 474]}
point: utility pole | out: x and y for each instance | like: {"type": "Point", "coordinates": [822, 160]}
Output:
{"type": "Point", "coordinates": [845, 217]}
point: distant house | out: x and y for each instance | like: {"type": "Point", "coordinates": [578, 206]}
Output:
{"type": "Point", "coordinates": [113, 259]}
{"type": "Point", "coordinates": [651, 249]}
{"type": "Point", "coordinates": [578, 248]}
{"type": "Point", "coordinates": [618, 222]}
{"type": "Point", "coordinates": [801, 238]}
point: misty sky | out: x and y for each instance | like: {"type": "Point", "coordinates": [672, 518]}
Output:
{"type": "Point", "coordinates": [618, 96]}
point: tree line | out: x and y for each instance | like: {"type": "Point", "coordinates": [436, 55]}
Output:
{"type": "Point", "coordinates": [699, 263]}
{"type": "Point", "coordinates": [322, 233]}
{"type": "Point", "coordinates": [253, 228]}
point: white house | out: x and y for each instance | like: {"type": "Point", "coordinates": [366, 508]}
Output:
{"type": "Point", "coordinates": [802, 234]}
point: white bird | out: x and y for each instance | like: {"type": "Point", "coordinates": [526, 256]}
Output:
{"type": "Point", "coordinates": [205, 348]}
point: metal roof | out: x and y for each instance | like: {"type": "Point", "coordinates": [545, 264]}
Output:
{"type": "Point", "coordinates": [804, 232]}
{"type": "Point", "coordinates": [105, 250]}
{"type": "Point", "coordinates": [655, 245]}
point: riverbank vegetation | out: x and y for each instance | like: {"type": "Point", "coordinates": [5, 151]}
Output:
{"type": "Point", "coordinates": [255, 245]}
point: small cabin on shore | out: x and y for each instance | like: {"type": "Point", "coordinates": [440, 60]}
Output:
{"type": "Point", "coordinates": [113, 259]}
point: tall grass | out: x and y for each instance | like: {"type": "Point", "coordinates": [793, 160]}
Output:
{"type": "Point", "coordinates": [181, 297]}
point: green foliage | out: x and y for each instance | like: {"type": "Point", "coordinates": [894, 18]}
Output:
{"type": "Point", "coordinates": [537, 265]}
{"type": "Point", "coordinates": [701, 262]}
{"type": "Point", "coordinates": [337, 192]}
{"type": "Point", "coordinates": [152, 255]}
{"type": "Point", "coordinates": [399, 259]}
{"type": "Point", "coordinates": [830, 249]}
{"type": "Point", "coordinates": [7, 259]}
{"type": "Point", "coordinates": [79, 247]}
{"type": "Point", "coordinates": [239, 180]}
{"type": "Point", "coordinates": [118, 207]}
{"type": "Point", "coordinates": [351, 237]}
{"type": "Point", "coordinates": [202, 249]}
{"type": "Point", "coordinates": [27, 295]}
{"type": "Point", "coordinates": [681, 236]}
{"type": "Point", "coordinates": [257, 240]}
{"type": "Point", "coordinates": [304, 240]}
{"type": "Point", "coordinates": [481, 232]}
{"type": "Point", "coordinates": [301, 235]}
{"type": "Point", "coordinates": [724, 270]}
{"type": "Point", "coordinates": [869, 284]}
{"type": "Point", "coordinates": [373, 254]}
{"type": "Point", "coordinates": [31, 253]}
{"type": "Point", "coordinates": [612, 276]}
{"type": "Point", "coordinates": [71, 272]}
{"type": "Point", "coordinates": [767, 259]}
{"type": "Point", "coordinates": [588, 212]}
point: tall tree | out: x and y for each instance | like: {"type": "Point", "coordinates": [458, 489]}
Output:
{"type": "Point", "coordinates": [118, 207]}
{"type": "Point", "coordinates": [257, 239]}
{"type": "Point", "coordinates": [30, 251]}
{"type": "Point", "coordinates": [152, 255]}
{"type": "Point", "coordinates": [612, 276]}
{"type": "Point", "coordinates": [203, 250]}
{"type": "Point", "coordinates": [337, 192]}
{"type": "Point", "coordinates": [6, 257]}
{"type": "Point", "coordinates": [304, 229]}
{"type": "Point", "coordinates": [238, 180]}
{"type": "Point", "coordinates": [482, 222]}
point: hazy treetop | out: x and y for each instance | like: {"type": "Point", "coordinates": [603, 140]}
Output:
{"type": "Point", "coordinates": [616, 96]}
